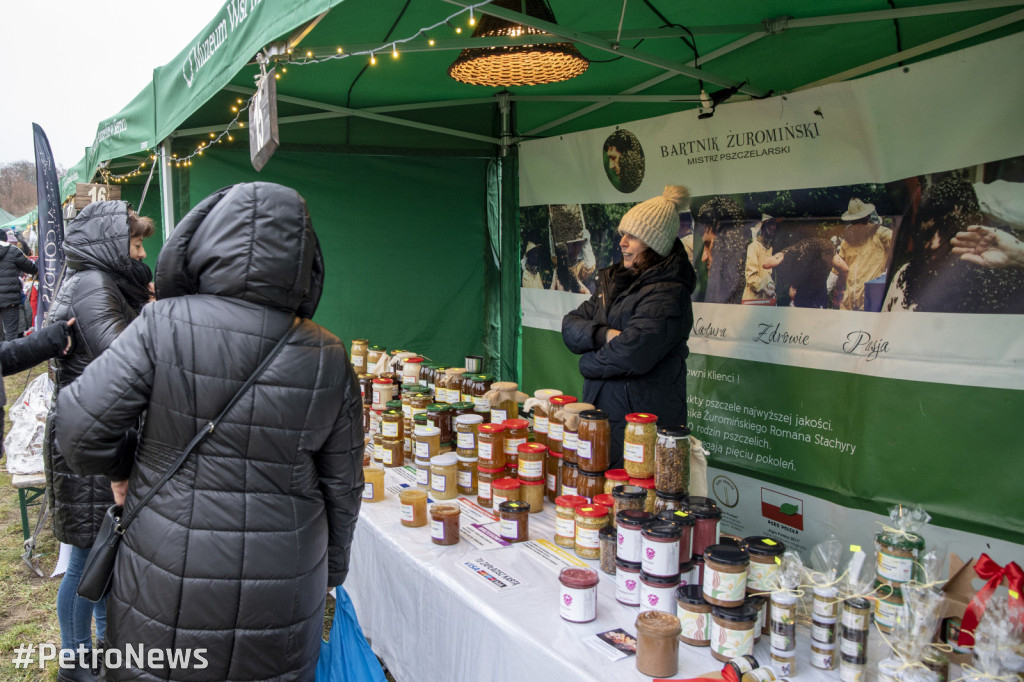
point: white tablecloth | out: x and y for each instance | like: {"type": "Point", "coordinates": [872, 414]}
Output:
{"type": "Point", "coordinates": [431, 619]}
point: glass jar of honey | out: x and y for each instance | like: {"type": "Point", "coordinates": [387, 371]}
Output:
{"type": "Point", "coordinates": [553, 475]}
{"type": "Point", "coordinates": [443, 476]}
{"type": "Point", "coordinates": [452, 386]}
{"type": "Point", "coordinates": [614, 477]}
{"type": "Point", "coordinates": [440, 415]}
{"type": "Point", "coordinates": [555, 424]}
{"type": "Point", "coordinates": [418, 403]}
{"type": "Point", "coordinates": [531, 461]}
{"type": "Point", "coordinates": [459, 409]}
{"type": "Point", "coordinates": [570, 478]}
{"type": "Point", "coordinates": [392, 452]}
{"type": "Point", "coordinates": [366, 388]}
{"type": "Point", "coordinates": [516, 433]}
{"type": "Point", "coordinates": [486, 476]}
{"type": "Point", "coordinates": [589, 484]}
{"type": "Point", "coordinates": [435, 378]}
{"type": "Point", "coordinates": [465, 434]}
{"type": "Point", "coordinates": [504, 400]}
{"type": "Point", "coordinates": [532, 492]}
{"type": "Point", "coordinates": [570, 427]}
{"type": "Point", "coordinates": [593, 443]}
{"type": "Point", "coordinates": [414, 507]}
{"type": "Point", "coordinates": [490, 448]}
{"type": "Point", "coordinates": [426, 441]}
{"type": "Point", "coordinates": [358, 355]}
{"type": "Point", "coordinates": [391, 424]}
{"type": "Point", "coordinates": [505, 490]}
{"type": "Point", "coordinates": [373, 354]}
{"type": "Point", "coordinates": [541, 408]}
{"type": "Point", "coordinates": [481, 387]}
{"type": "Point", "coordinates": [444, 523]}
{"type": "Point", "coordinates": [467, 476]}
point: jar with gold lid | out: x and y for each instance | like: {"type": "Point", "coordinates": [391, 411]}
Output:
{"type": "Point", "coordinates": [490, 448]}
{"type": "Point", "coordinates": [639, 443]}
{"type": "Point", "coordinates": [593, 443]}
{"type": "Point", "coordinates": [358, 355]}
{"type": "Point", "coordinates": [556, 427]}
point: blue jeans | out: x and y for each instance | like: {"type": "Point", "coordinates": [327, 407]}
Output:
{"type": "Point", "coordinates": [75, 613]}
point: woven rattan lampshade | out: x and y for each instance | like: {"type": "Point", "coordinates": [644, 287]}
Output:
{"type": "Point", "coordinates": [519, 64]}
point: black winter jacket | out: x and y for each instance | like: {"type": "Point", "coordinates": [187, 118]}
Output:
{"type": "Point", "coordinates": [97, 290]}
{"type": "Point", "coordinates": [12, 264]}
{"type": "Point", "coordinates": [235, 553]}
{"type": "Point", "coordinates": [643, 369]}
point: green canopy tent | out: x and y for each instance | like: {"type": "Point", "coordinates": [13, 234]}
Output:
{"type": "Point", "coordinates": [22, 222]}
{"type": "Point", "coordinates": [411, 175]}
{"type": "Point", "coordinates": [6, 217]}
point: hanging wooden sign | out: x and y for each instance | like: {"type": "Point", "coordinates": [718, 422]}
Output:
{"type": "Point", "coordinates": [87, 193]}
{"type": "Point", "coordinates": [263, 136]}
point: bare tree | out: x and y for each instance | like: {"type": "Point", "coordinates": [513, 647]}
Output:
{"type": "Point", "coordinates": [18, 187]}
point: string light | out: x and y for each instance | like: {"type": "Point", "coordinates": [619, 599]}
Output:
{"type": "Point", "coordinates": [373, 59]}
{"type": "Point", "coordinates": [394, 51]}
{"type": "Point", "coordinates": [430, 42]}
{"type": "Point", "coordinates": [472, 20]}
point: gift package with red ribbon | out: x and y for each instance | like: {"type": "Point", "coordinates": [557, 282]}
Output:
{"type": "Point", "coordinates": [965, 606]}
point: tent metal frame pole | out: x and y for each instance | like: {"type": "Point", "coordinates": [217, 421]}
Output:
{"type": "Point", "coordinates": [725, 49]}
{"type": "Point", "coordinates": [610, 46]}
{"type": "Point", "coordinates": [937, 44]}
{"type": "Point", "coordinates": [166, 189]}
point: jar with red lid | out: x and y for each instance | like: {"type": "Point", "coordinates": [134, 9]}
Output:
{"type": "Point", "coordinates": [485, 476]}
{"type": "Point", "coordinates": [593, 442]}
{"type": "Point", "coordinates": [639, 443]}
{"type": "Point", "coordinates": [411, 368]}
{"type": "Point", "coordinates": [614, 477]}
{"type": "Point", "coordinates": [553, 474]}
{"type": "Point", "coordinates": [531, 461]}
{"type": "Point", "coordinates": [556, 429]}
{"type": "Point", "coordinates": [504, 490]}
{"type": "Point", "coordinates": [565, 519]}
{"type": "Point", "coordinates": [490, 446]}
{"type": "Point", "coordinates": [648, 485]}
{"type": "Point", "coordinates": [589, 484]}
{"type": "Point", "coordinates": [605, 500]}
{"type": "Point", "coordinates": [590, 519]}
{"type": "Point", "coordinates": [516, 433]}
{"type": "Point", "coordinates": [383, 390]}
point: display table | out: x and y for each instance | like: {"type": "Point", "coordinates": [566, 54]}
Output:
{"type": "Point", "coordinates": [431, 617]}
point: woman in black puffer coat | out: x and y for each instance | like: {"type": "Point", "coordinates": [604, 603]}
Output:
{"type": "Point", "coordinates": [235, 553]}
{"type": "Point", "coordinates": [104, 286]}
{"type": "Point", "coordinates": [12, 265]}
{"type": "Point", "coordinates": [632, 332]}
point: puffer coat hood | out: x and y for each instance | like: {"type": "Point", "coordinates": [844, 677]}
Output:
{"type": "Point", "coordinates": [103, 288]}
{"type": "Point", "coordinates": [252, 241]}
{"type": "Point", "coordinates": [643, 369]}
{"type": "Point", "coordinates": [234, 554]}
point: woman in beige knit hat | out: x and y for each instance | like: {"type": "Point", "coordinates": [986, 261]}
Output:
{"type": "Point", "coordinates": [632, 332]}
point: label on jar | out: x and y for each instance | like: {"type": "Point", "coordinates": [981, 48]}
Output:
{"type": "Point", "coordinates": [660, 558]}
{"type": "Point", "coordinates": [851, 672]}
{"type": "Point", "coordinates": [657, 598]}
{"type": "Point", "coordinates": [895, 569]}
{"type": "Point", "coordinates": [422, 476]}
{"type": "Point", "coordinates": [531, 470]}
{"type": "Point", "coordinates": [512, 445]}
{"type": "Point", "coordinates": [690, 578]}
{"type": "Point", "coordinates": [724, 586]}
{"type": "Point", "coordinates": [851, 648]}
{"type": "Point", "coordinates": [633, 452]}
{"type": "Point", "coordinates": [367, 491]}
{"type": "Point", "coordinates": [370, 450]}
{"type": "Point", "coordinates": [407, 410]}
{"type": "Point", "coordinates": [408, 514]}
{"type": "Point", "coordinates": [389, 429]}
{"type": "Point", "coordinates": [731, 643]}
{"type": "Point", "coordinates": [886, 613]}
{"type": "Point", "coordinates": [481, 404]}
{"type": "Point", "coordinates": [783, 641]}
{"type": "Point", "coordinates": [540, 424]}
{"type": "Point", "coordinates": [465, 441]}
{"type": "Point", "coordinates": [437, 529]}
{"type": "Point", "coordinates": [584, 448]}
{"type": "Point", "coordinates": [588, 538]}
{"type": "Point", "coordinates": [555, 431]}
{"type": "Point", "coordinates": [423, 382]}
{"type": "Point", "coordinates": [509, 529]}
{"type": "Point", "coordinates": [498, 416]}
{"type": "Point", "coordinates": [552, 481]}
{"type": "Point", "coordinates": [376, 397]}
{"type": "Point", "coordinates": [389, 456]}
{"type": "Point", "coordinates": [825, 605]}
{"type": "Point", "coordinates": [570, 440]}
{"type": "Point", "coordinates": [759, 576]}
{"type": "Point", "coordinates": [466, 398]}
{"type": "Point", "coordinates": [629, 545]}
{"type": "Point", "coordinates": [822, 659]}
{"type": "Point", "coordinates": [785, 664]}
{"type": "Point", "coordinates": [358, 361]}
{"type": "Point", "coordinates": [483, 489]}
{"type": "Point", "coordinates": [627, 587]}
{"type": "Point", "coordinates": [569, 490]}
{"type": "Point", "coordinates": [438, 483]}
{"type": "Point", "coordinates": [453, 396]}
{"type": "Point", "coordinates": [855, 620]}
{"type": "Point", "coordinates": [465, 479]}
{"type": "Point", "coordinates": [422, 449]}
{"type": "Point", "coordinates": [783, 608]}
{"type": "Point", "coordinates": [823, 632]}
{"type": "Point", "coordinates": [578, 605]}
{"type": "Point", "coordinates": [485, 451]}
{"type": "Point", "coordinates": [565, 527]}
{"type": "Point", "coordinates": [695, 626]}
{"type": "Point", "coordinates": [497, 499]}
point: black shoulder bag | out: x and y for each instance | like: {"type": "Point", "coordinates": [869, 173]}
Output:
{"type": "Point", "coordinates": [98, 574]}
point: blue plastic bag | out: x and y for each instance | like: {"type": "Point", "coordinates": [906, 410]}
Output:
{"type": "Point", "coordinates": [347, 657]}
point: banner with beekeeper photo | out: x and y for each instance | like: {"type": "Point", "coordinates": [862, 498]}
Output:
{"type": "Point", "coordinates": [859, 251]}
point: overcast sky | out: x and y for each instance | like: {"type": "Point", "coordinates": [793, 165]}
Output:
{"type": "Point", "coordinates": [72, 64]}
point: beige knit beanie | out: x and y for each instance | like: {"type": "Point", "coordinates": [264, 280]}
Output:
{"type": "Point", "coordinates": [655, 222]}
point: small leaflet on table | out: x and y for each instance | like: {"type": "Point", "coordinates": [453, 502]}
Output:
{"type": "Point", "coordinates": [615, 644]}
{"type": "Point", "coordinates": [551, 555]}
{"type": "Point", "coordinates": [482, 535]}
{"type": "Point", "coordinates": [492, 574]}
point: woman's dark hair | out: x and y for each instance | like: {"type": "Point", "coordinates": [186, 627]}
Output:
{"type": "Point", "coordinates": [140, 226]}
{"type": "Point", "coordinates": [647, 259]}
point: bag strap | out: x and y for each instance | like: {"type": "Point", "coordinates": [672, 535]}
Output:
{"type": "Point", "coordinates": [205, 432]}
